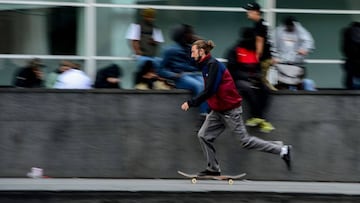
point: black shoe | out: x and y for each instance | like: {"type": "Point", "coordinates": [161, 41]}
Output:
{"type": "Point", "coordinates": [287, 157]}
{"type": "Point", "coordinates": [209, 173]}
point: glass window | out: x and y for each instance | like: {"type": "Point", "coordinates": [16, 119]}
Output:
{"type": "Point", "coordinates": [48, 30]}
{"type": "Point", "coordinates": [128, 69]}
{"type": "Point", "coordinates": [111, 35]}
{"type": "Point", "coordinates": [320, 4]}
{"type": "Point", "coordinates": [326, 31]}
{"type": "Point", "coordinates": [325, 75]}
{"type": "Point", "coordinates": [223, 3]}
{"type": "Point", "coordinates": [9, 68]}
{"type": "Point", "coordinates": [76, 1]}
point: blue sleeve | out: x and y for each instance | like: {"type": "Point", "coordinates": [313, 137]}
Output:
{"type": "Point", "coordinates": [165, 69]}
{"type": "Point", "coordinates": [177, 60]}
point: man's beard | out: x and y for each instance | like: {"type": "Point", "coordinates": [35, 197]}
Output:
{"type": "Point", "coordinates": [197, 59]}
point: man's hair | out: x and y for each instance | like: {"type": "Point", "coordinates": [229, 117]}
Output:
{"type": "Point", "coordinates": [148, 12]}
{"type": "Point", "coordinates": [207, 45]}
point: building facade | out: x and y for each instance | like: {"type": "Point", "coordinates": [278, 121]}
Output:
{"type": "Point", "coordinates": [92, 32]}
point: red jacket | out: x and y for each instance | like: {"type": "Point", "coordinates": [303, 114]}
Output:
{"type": "Point", "coordinates": [220, 91]}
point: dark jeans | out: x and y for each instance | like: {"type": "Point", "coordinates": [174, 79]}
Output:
{"type": "Point", "coordinates": [257, 94]}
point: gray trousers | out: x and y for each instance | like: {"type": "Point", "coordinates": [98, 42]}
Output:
{"type": "Point", "coordinates": [216, 122]}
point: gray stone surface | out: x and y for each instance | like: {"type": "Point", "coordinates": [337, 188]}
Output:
{"type": "Point", "coordinates": [136, 134]}
{"type": "Point", "coordinates": [178, 191]}
{"type": "Point", "coordinates": [166, 185]}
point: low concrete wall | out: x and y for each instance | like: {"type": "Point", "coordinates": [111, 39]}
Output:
{"type": "Point", "coordinates": [132, 134]}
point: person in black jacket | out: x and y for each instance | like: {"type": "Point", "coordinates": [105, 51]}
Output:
{"type": "Point", "coordinates": [351, 50]}
{"type": "Point", "coordinates": [108, 77]}
{"type": "Point", "coordinates": [30, 76]}
{"type": "Point", "coordinates": [245, 69]}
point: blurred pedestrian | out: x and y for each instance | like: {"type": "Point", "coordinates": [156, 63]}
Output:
{"type": "Point", "coordinates": [245, 69]}
{"type": "Point", "coordinates": [262, 42]}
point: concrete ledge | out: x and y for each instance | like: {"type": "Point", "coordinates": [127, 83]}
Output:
{"type": "Point", "coordinates": [144, 134]}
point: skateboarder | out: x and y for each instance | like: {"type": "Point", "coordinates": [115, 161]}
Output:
{"type": "Point", "coordinates": [225, 102]}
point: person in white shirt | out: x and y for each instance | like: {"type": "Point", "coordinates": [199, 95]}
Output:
{"type": "Point", "coordinates": [72, 77]}
{"type": "Point", "coordinates": [145, 38]}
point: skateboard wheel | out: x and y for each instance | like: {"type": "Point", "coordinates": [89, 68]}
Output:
{"type": "Point", "coordinates": [230, 181]}
{"type": "Point", "coordinates": [193, 181]}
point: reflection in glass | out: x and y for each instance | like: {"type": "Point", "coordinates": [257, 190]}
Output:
{"type": "Point", "coordinates": [128, 68]}
{"type": "Point", "coordinates": [70, 1]}
{"type": "Point", "coordinates": [320, 4]}
{"type": "Point", "coordinates": [325, 29]}
{"type": "Point", "coordinates": [223, 3]}
{"type": "Point", "coordinates": [33, 29]}
{"type": "Point", "coordinates": [9, 67]}
{"type": "Point", "coordinates": [111, 35]}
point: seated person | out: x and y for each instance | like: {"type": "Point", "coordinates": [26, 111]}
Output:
{"type": "Point", "coordinates": [292, 43]}
{"type": "Point", "coordinates": [178, 66]}
{"type": "Point", "coordinates": [72, 77]}
{"type": "Point", "coordinates": [30, 76]}
{"type": "Point", "coordinates": [52, 77]}
{"type": "Point", "coordinates": [108, 77]}
{"type": "Point", "coordinates": [147, 78]}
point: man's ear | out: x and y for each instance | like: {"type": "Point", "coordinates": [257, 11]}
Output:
{"type": "Point", "coordinates": [202, 52]}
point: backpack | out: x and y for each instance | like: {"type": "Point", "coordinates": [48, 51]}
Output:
{"type": "Point", "coordinates": [290, 74]}
{"type": "Point", "coordinates": [246, 56]}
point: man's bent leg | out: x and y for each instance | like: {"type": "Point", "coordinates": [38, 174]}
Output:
{"type": "Point", "coordinates": [210, 130]}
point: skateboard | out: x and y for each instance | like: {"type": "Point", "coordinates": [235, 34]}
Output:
{"type": "Point", "coordinates": [229, 178]}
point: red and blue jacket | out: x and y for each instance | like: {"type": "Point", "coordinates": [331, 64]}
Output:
{"type": "Point", "coordinates": [220, 91]}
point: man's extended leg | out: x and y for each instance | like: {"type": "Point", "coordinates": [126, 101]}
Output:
{"type": "Point", "coordinates": [233, 119]}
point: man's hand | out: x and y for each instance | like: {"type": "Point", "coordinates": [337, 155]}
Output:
{"type": "Point", "coordinates": [185, 106]}
{"type": "Point", "coordinates": [302, 52]}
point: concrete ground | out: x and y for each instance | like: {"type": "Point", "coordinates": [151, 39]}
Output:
{"type": "Point", "coordinates": [177, 185]}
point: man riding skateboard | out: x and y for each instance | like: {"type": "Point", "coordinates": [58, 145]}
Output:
{"type": "Point", "coordinates": [225, 103]}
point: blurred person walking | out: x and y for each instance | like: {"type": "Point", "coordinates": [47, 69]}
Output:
{"type": "Point", "coordinates": [245, 69]}
{"type": "Point", "coordinates": [262, 43]}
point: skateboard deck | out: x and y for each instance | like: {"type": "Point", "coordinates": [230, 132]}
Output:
{"type": "Point", "coordinates": [229, 178]}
